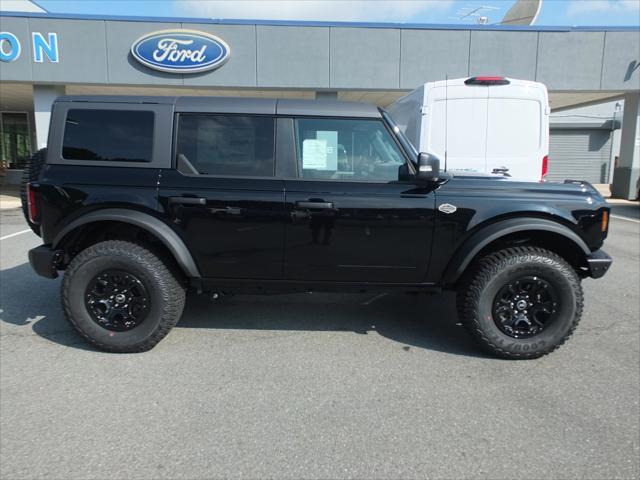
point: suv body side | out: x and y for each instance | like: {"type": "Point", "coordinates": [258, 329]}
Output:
{"type": "Point", "coordinates": [285, 230]}
{"type": "Point", "coordinates": [141, 198]}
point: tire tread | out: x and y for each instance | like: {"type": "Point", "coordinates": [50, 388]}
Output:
{"type": "Point", "coordinates": [472, 285]}
{"type": "Point", "coordinates": [171, 289]}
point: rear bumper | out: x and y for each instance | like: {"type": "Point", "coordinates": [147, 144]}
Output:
{"type": "Point", "coordinates": [44, 259]}
{"type": "Point", "coordinates": [598, 263]}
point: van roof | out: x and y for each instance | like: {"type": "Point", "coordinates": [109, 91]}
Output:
{"type": "Point", "coordinates": [241, 105]}
{"type": "Point", "coordinates": [453, 82]}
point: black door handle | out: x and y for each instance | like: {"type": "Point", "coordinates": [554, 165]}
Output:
{"type": "Point", "coordinates": [316, 205]}
{"type": "Point", "coordinates": [188, 200]}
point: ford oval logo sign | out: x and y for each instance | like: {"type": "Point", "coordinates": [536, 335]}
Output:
{"type": "Point", "coordinates": [180, 51]}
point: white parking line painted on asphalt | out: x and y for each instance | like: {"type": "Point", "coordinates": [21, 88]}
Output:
{"type": "Point", "coordinates": [625, 218]}
{"type": "Point", "coordinates": [15, 234]}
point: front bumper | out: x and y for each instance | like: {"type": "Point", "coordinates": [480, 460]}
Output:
{"type": "Point", "coordinates": [44, 260]}
{"type": "Point", "coordinates": [598, 263]}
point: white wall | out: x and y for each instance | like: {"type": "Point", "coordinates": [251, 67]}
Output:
{"type": "Point", "coordinates": [601, 112]}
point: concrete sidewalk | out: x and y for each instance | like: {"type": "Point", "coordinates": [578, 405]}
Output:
{"type": "Point", "coordinates": [10, 197]}
{"type": "Point", "coordinates": [620, 201]}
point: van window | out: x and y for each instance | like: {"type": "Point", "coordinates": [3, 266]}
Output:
{"type": "Point", "coordinates": [346, 149]}
{"type": "Point", "coordinates": [226, 145]}
{"type": "Point", "coordinates": [108, 135]}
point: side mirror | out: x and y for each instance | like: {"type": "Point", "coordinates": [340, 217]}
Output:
{"type": "Point", "coordinates": [428, 167]}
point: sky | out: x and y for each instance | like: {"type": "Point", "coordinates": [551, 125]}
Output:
{"type": "Point", "coordinates": [554, 12]}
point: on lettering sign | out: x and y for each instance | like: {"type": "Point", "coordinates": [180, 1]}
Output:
{"type": "Point", "coordinates": [180, 51]}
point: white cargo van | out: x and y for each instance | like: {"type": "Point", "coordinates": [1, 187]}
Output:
{"type": "Point", "coordinates": [490, 123]}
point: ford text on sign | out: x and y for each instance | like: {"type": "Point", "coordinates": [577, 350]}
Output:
{"type": "Point", "coordinates": [180, 51]}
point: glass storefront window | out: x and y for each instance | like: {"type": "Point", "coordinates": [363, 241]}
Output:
{"type": "Point", "coordinates": [15, 141]}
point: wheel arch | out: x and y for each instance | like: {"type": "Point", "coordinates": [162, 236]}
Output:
{"type": "Point", "coordinates": [538, 231]}
{"type": "Point", "coordinates": [148, 223]}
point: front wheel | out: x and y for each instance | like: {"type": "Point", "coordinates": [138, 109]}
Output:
{"type": "Point", "coordinates": [521, 302]}
{"type": "Point", "coordinates": [121, 297]}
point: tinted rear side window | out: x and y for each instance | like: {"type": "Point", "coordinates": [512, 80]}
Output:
{"type": "Point", "coordinates": [226, 144]}
{"type": "Point", "coordinates": [108, 135]}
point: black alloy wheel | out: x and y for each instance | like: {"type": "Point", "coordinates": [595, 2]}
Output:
{"type": "Point", "coordinates": [117, 300]}
{"type": "Point", "coordinates": [525, 306]}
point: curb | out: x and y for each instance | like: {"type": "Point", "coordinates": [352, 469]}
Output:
{"type": "Point", "coordinates": [10, 204]}
{"type": "Point", "coordinates": [621, 201]}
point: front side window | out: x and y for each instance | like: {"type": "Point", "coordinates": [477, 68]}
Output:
{"type": "Point", "coordinates": [226, 145]}
{"type": "Point", "coordinates": [108, 135]}
{"type": "Point", "coordinates": [346, 149]}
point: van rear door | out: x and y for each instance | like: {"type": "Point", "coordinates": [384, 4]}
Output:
{"type": "Point", "coordinates": [459, 113]}
{"type": "Point", "coordinates": [517, 129]}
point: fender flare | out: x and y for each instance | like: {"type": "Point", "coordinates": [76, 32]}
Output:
{"type": "Point", "coordinates": [151, 224]}
{"type": "Point", "coordinates": [480, 239]}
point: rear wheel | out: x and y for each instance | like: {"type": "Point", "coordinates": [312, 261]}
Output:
{"type": "Point", "coordinates": [30, 174]}
{"type": "Point", "coordinates": [521, 302]}
{"type": "Point", "coordinates": [121, 297]}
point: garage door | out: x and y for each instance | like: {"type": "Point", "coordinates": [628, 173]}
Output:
{"type": "Point", "coordinates": [580, 154]}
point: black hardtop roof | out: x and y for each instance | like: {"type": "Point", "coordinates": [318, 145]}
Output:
{"type": "Point", "coordinates": [241, 105]}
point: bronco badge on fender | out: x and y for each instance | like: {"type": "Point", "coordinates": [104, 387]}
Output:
{"type": "Point", "coordinates": [180, 51]}
{"type": "Point", "coordinates": [447, 208]}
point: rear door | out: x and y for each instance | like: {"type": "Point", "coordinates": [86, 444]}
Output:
{"type": "Point", "coordinates": [223, 196]}
{"type": "Point", "coordinates": [352, 219]}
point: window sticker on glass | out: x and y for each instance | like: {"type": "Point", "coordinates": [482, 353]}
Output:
{"type": "Point", "coordinates": [331, 137]}
{"type": "Point", "coordinates": [314, 154]}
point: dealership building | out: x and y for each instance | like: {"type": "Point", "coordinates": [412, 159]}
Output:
{"type": "Point", "coordinates": [592, 73]}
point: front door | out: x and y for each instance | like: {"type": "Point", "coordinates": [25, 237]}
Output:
{"type": "Point", "coordinates": [351, 219]}
{"type": "Point", "coordinates": [223, 196]}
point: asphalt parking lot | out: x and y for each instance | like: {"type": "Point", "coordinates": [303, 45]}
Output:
{"type": "Point", "coordinates": [318, 386]}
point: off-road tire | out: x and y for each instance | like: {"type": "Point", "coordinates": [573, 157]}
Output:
{"type": "Point", "coordinates": [31, 173]}
{"type": "Point", "coordinates": [485, 277]}
{"type": "Point", "coordinates": [167, 295]}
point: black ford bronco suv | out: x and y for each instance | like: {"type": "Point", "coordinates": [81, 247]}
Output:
{"type": "Point", "coordinates": [139, 199]}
